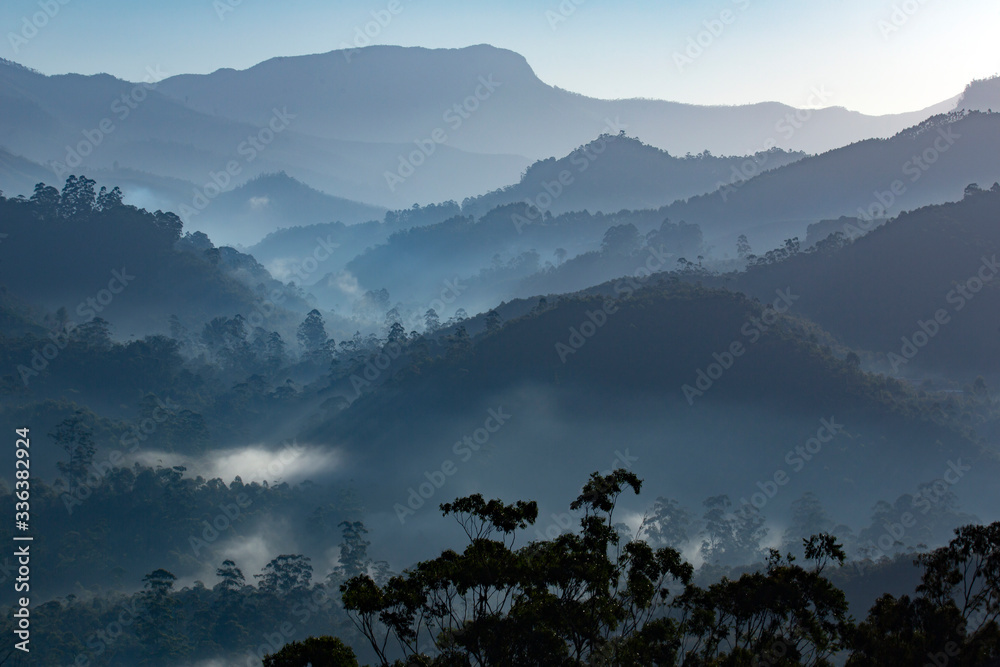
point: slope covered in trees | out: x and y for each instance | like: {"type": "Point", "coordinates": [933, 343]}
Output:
{"type": "Point", "coordinates": [921, 288]}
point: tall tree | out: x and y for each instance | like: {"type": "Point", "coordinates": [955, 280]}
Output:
{"type": "Point", "coordinates": [46, 201]}
{"type": "Point", "coordinates": [432, 321]}
{"type": "Point", "coordinates": [285, 574]}
{"type": "Point", "coordinates": [312, 333]}
{"type": "Point", "coordinates": [313, 652]}
{"type": "Point", "coordinates": [76, 438]}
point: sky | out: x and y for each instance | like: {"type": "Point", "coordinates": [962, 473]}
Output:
{"type": "Point", "coordinates": [873, 56]}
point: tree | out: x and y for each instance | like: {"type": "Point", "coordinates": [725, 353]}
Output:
{"type": "Point", "coordinates": [156, 627]}
{"type": "Point", "coordinates": [77, 197]}
{"type": "Point", "coordinates": [354, 549]}
{"type": "Point", "coordinates": [285, 574]}
{"type": "Point", "coordinates": [166, 222]}
{"type": "Point", "coordinates": [109, 200]}
{"type": "Point", "coordinates": [955, 615]}
{"type": "Point", "coordinates": [392, 316]}
{"type": "Point", "coordinates": [668, 524]}
{"type": "Point", "coordinates": [459, 343]}
{"type": "Point", "coordinates": [396, 334]}
{"type": "Point", "coordinates": [432, 322]}
{"type": "Point", "coordinates": [743, 249]}
{"type": "Point", "coordinates": [588, 598]}
{"type": "Point", "coordinates": [731, 537]}
{"type": "Point", "coordinates": [96, 334]}
{"type": "Point", "coordinates": [621, 240]}
{"type": "Point", "coordinates": [493, 321]}
{"type": "Point", "coordinates": [580, 599]}
{"type": "Point", "coordinates": [77, 439]}
{"type": "Point", "coordinates": [785, 615]}
{"type": "Point", "coordinates": [312, 333]}
{"type": "Point", "coordinates": [232, 579]}
{"type": "Point", "coordinates": [808, 518]}
{"type": "Point", "coordinates": [46, 201]}
{"type": "Point", "coordinates": [313, 652]}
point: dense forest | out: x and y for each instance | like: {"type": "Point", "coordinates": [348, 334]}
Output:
{"type": "Point", "coordinates": [404, 356]}
{"type": "Point", "coordinates": [155, 553]}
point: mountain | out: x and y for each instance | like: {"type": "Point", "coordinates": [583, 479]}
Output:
{"type": "Point", "coordinates": [581, 383]}
{"type": "Point", "coordinates": [981, 95]}
{"type": "Point", "coordinates": [616, 172]}
{"type": "Point", "coordinates": [271, 201]}
{"type": "Point", "coordinates": [510, 252]}
{"type": "Point", "coordinates": [921, 287]}
{"type": "Point", "coordinates": [287, 251]}
{"type": "Point", "coordinates": [926, 164]}
{"type": "Point", "coordinates": [127, 267]}
{"type": "Point", "coordinates": [489, 100]}
{"type": "Point", "coordinates": [72, 123]}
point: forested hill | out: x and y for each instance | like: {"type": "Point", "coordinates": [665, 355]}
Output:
{"type": "Point", "coordinates": [86, 255]}
{"type": "Point", "coordinates": [655, 361]}
{"type": "Point", "coordinates": [926, 164]}
{"type": "Point", "coordinates": [616, 172]}
{"type": "Point", "coordinates": [876, 291]}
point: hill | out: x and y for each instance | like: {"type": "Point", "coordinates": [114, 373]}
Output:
{"type": "Point", "coordinates": [489, 100]}
{"type": "Point", "coordinates": [587, 379]}
{"type": "Point", "coordinates": [616, 172]}
{"type": "Point", "coordinates": [926, 164]}
{"type": "Point", "coordinates": [96, 258]}
{"type": "Point", "coordinates": [941, 259]}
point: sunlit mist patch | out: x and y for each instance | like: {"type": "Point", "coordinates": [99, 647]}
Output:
{"type": "Point", "coordinates": [294, 462]}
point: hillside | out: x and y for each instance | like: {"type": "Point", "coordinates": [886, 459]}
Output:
{"type": "Point", "coordinates": [616, 172]}
{"type": "Point", "coordinates": [402, 93]}
{"type": "Point", "coordinates": [585, 378]}
{"type": "Point", "coordinates": [938, 254]}
{"type": "Point", "coordinates": [101, 122]}
{"type": "Point", "coordinates": [926, 164]}
{"type": "Point", "coordinates": [134, 274]}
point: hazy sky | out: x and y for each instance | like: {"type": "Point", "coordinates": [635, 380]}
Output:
{"type": "Point", "coordinates": [872, 55]}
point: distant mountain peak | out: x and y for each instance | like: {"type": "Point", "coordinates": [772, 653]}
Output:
{"type": "Point", "coordinates": [18, 66]}
{"type": "Point", "coordinates": [981, 95]}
